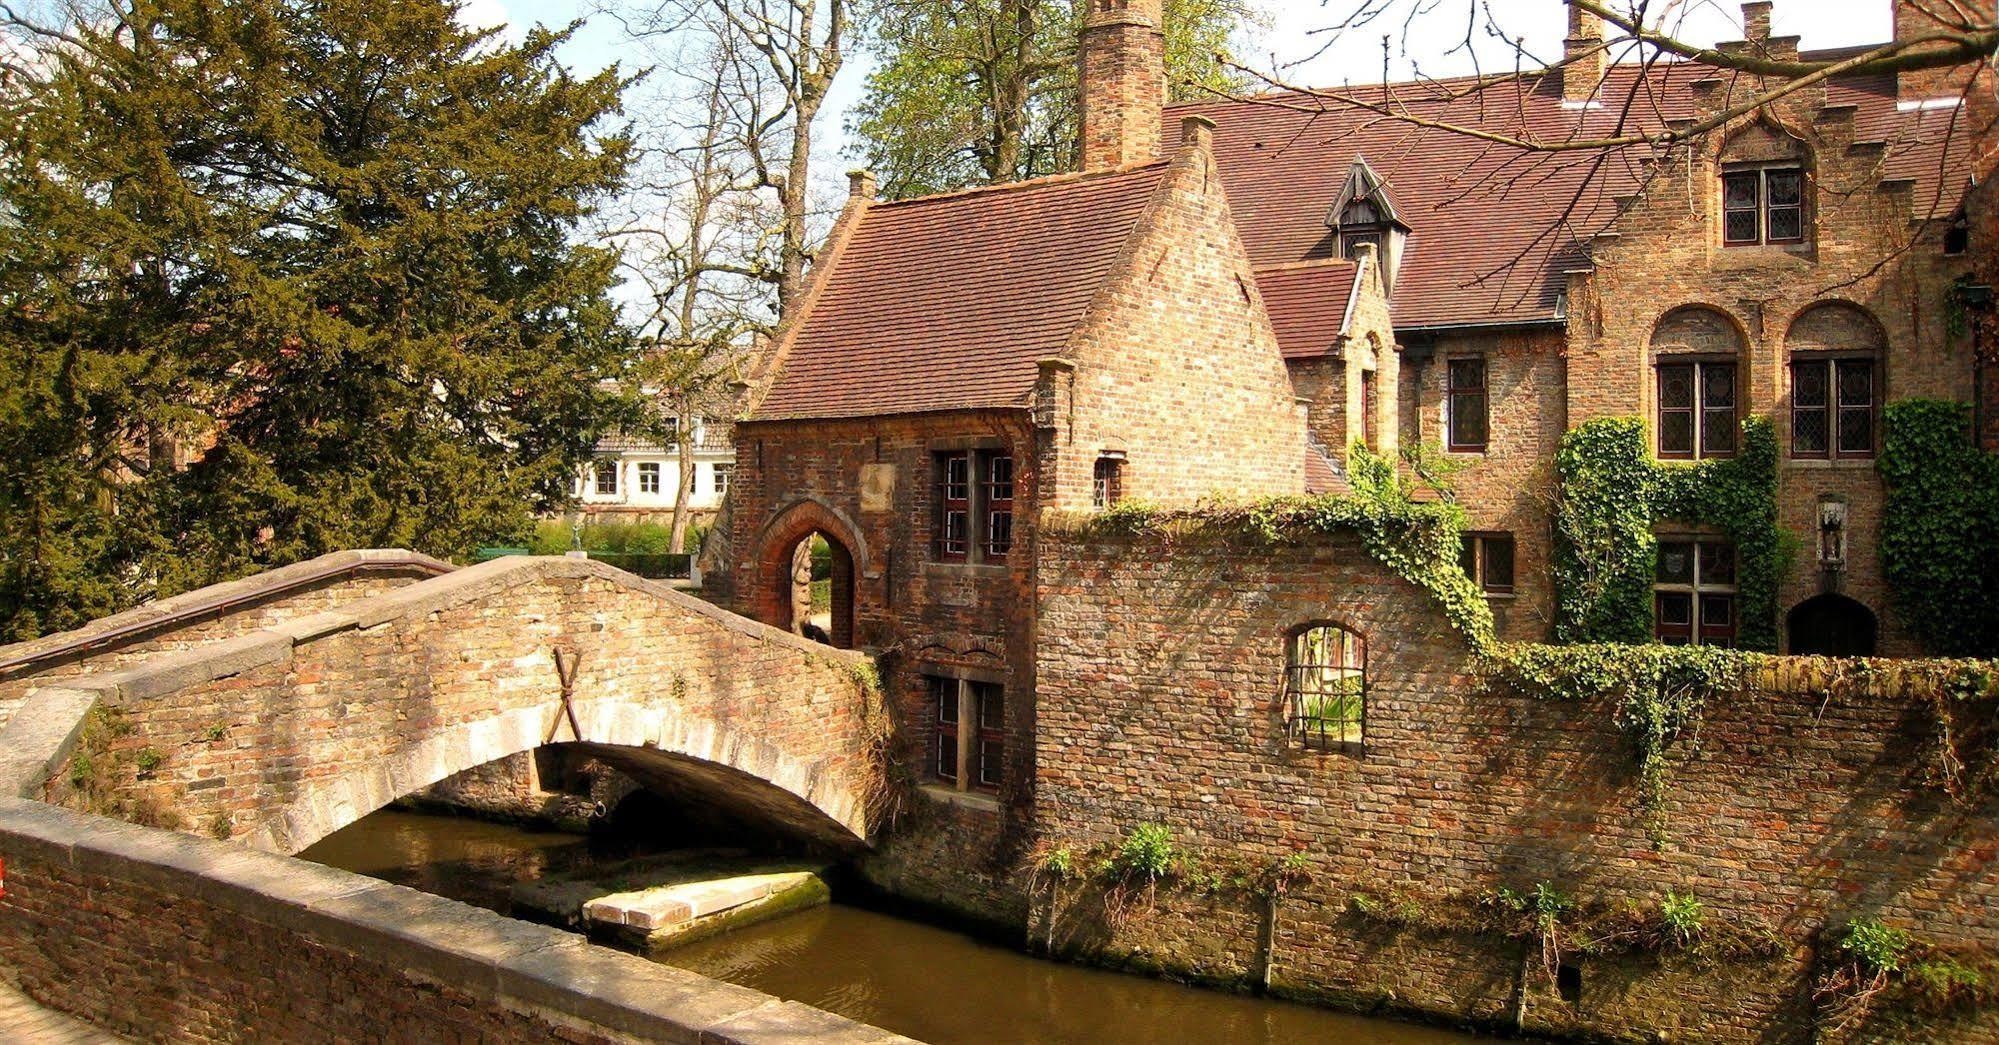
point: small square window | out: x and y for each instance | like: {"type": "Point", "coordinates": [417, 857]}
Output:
{"type": "Point", "coordinates": [605, 479]}
{"type": "Point", "coordinates": [649, 477]}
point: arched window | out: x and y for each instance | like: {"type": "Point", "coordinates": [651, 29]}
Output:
{"type": "Point", "coordinates": [1325, 687]}
{"type": "Point", "coordinates": [1836, 351]}
{"type": "Point", "coordinates": [1696, 358]}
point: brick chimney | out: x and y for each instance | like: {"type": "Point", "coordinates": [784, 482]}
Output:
{"type": "Point", "coordinates": [1123, 74]}
{"type": "Point", "coordinates": [1756, 21]}
{"type": "Point", "coordinates": [1917, 18]}
{"type": "Point", "coordinates": [1584, 57]}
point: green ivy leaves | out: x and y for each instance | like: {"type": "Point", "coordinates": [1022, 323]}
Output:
{"type": "Point", "coordinates": [1940, 527]}
{"type": "Point", "coordinates": [1612, 495]}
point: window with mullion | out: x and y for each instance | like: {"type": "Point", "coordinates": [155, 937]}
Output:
{"type": "Point", "coordinates": [1693, 592]}
{"type": "Point", "coordinates": [1764, 205]}
{"type": "Point", "coordinates": [1697, 409]}
{"type": "Point", "coordinates": [1832, 407]}
{"type": "Point", "coordinates": [1467, 405]}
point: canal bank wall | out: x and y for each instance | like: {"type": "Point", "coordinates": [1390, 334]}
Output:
{"type": "Point", "coordinates": [168, 937]}
{"type": "Point", "coordinates": [1482, 853]}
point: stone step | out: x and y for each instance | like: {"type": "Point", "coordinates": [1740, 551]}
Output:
{"type": "Point", "coordinates": [666, 906]}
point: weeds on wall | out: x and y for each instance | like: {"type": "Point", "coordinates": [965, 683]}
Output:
{"type": "Point", "coordinates": [1560, 924]}
{"type": "Point", "coordinates": [1613, 494]}
{"type": "Point", "coordinates": [1418, 541]}
{"type": "Point", "coordinates": [1658, 693]}
{"type": "Point", "coordinates": [1878, 970]}
{"type": "Point", "coordinates": [104, 775]}
{"type": "Point", "coordinates": [1939, 527]}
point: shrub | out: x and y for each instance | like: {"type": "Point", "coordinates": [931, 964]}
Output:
{"type": "Point", "coordinates": [1878, 948]}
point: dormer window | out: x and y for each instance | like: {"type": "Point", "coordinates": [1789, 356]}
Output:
{"type": "Point", "coordinates": [1363, 213]}
{"type": "Point", "coordinates": [1763, 205]}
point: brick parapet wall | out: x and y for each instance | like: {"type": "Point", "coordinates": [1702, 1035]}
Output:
{"type": "Point", "coordinates": [291, 732]}
{"type": "Point", "coordinates": [1159, 680]}
{"type": "Point", "coordinates": [164, 937]}
{"type": "Point", "coordinates": [203, 616]}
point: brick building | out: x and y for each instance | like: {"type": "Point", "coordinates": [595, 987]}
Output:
{"type": "Point", "coordinates": [1229, 293]}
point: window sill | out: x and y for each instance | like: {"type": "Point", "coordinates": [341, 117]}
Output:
{"type": "Point", "coordinates": [977, 800]}
{"type": "Point", "coordinates": [1501, 596]}
{"type": "Point", "coordinates": [1855, 464]}
{"type": "Point", "coordinates": [961, 568]}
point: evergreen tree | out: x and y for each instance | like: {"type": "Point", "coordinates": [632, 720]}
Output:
{"type": "Point", "coordinates": [984, 91]}
{"type": "Point", "coordinates": [279, 277]}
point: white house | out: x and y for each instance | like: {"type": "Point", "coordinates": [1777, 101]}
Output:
{"type": "Point", "coordinates": [635, 480]}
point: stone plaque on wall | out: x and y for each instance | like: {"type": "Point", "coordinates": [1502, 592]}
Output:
{"type": "Point", "coordinates": [877, 487]}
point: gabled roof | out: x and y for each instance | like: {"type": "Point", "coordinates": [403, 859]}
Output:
{"type": "Point", "coordinates": [1363, 184]}
{"type": "Point", "coordinates": [1307, 303]}
{"type": "Point", "coordinates": [948, 302]}
{"type": "Point", "coordinates": [1494, 229]}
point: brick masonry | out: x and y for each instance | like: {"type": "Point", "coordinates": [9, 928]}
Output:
{"type": "Point", "coordinates": [1871, 275]}
{"type": "Point", "coordinates": [205, 616]}
{"type": "Point", "coordinates": [284, 735]}
{"type": "Point", "coordinates": [164, 937]}
{"type": "Point", "coordinates": [1159, 683]}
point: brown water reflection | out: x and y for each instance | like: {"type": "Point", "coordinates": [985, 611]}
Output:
{"type": "Point", "coordinates": [934, 984]}
{"type": "Point", "coordinates": [945, 987]}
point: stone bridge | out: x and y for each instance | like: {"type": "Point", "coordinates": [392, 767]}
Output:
{"type": "Point", "coordinates": [279, 709]}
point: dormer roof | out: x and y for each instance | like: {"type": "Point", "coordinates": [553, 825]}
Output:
{"type": "Point", "coordinates": [1364, 185]}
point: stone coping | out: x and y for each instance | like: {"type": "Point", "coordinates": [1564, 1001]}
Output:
{"type": "Point", "coordinates": [492, 957]}
{"type": "Point", "coordinates": [106, 632]}
{"type": "Point", "coordinates": [43, 731]}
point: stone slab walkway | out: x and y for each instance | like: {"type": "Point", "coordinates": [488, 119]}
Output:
{"type": "Point", "coordinates": [21, 1020]}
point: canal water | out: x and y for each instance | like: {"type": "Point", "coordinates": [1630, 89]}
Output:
{"type": "Point", "coordinates": [930, 983]}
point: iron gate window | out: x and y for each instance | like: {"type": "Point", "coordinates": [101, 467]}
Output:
{"type": "Point", "coordinates": [1325, 687]}
{"type": "Point", "coordinates": [1107, 482]}
{"type": "Point", "coordinates": [1467, 404]}
{"type": "Point", "coordinates": [1832, 407]}
{"type": "Point", "coordinates": [1693, 592]}
{"type": "Point", "coordinates": [974, 492]}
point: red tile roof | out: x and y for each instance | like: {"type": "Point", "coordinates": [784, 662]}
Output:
{"type": "Point", "coordinates": [1493, 228]}
{"type": "Point", "coordinates": [1307, 304]}
{"type": "Point", "coordinates": [947, 302]}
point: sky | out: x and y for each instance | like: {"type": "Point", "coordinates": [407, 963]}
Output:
{"type": "Point", "coordinates": [1296, 42]}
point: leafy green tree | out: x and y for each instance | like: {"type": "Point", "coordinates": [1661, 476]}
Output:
{"type": "Point", "coordinates": [983, 91]}
{"type": "Point", "coordinates": [279, 277]}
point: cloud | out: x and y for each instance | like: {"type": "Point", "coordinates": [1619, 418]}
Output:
{"type": "Point", "coordinates": [490, 14]}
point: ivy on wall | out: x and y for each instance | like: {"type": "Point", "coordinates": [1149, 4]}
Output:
{"type": "Point", "coordinates": [1612, 494]}
{"type": "Point", "coordinates": [1940, 527]}
{"type": "Point", "coordinates": [1418, 541]}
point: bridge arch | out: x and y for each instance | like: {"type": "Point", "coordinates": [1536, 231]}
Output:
{"type": "Point", "coordinates": [642, 739]}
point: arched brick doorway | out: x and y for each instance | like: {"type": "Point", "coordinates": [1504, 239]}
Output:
{"type": "Point", "coordinates": [1831, 626]}
{"type": "Point", "coordinates": [787, 573]}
